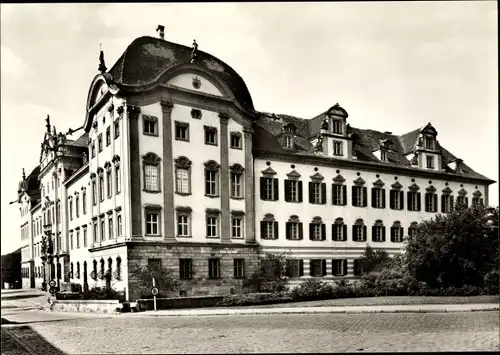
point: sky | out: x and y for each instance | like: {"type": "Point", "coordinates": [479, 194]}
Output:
{"type": "Point", "coordinates": [394, 66]}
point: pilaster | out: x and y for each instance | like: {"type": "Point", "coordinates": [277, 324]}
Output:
{"type": "Point", "coordinates": [224, 179]}
{"type": "Point", "coordinates": [249, 188]}
{"type": "Point", "coordinates": [168, 172]}
{"type": "Point", "coordinates": [135, 172]}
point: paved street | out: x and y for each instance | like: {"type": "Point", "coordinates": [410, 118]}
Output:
{"type": "Point", "coordinates": [263, 333]}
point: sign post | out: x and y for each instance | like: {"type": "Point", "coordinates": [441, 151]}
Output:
{"type": "Point", "coordinates": [154, 292]}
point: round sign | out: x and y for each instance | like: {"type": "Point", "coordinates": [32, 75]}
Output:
{"type": "Point", "coordinates": [52, 283]}
{"type": "Point", "coordinates": [52, 290]}
{"type": "Point", "coordinates": [154, 291]}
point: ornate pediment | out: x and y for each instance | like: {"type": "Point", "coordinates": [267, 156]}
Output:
{"type": "Point", "coordinates": [268, 217]}
{"type": "Point", "coordinates": [212, 165]}
{"type": "Point", "coordinates": [477, 194]}
{"type": "Point", "coordinates": [339, 179]}
{"type": "Point", "coordinates": [294, 218]}
{"type": "Point", "coordinates": [378, 222]}
{"type": "Point", "coordinates": [379, 183]}
{"type": "Point", "coordinates": [359, 181]}
{"type": "Point", "coordinates": [359, 222]}
{"type": "Point", "coordinates": [397, 185]}
{"type": "Point", "coordinates": [447, 190]}
{"type": "Point", "coordinates": [413, 187]}
{"type": "Point", "coordinates": [116, 159]}
{"type": "Point", "coordinates": [413, 224]}
{"type": "Point", "coordinates": [396, 224]}
{"type": "Point", "coordinates": [339, 220]}
{"type": "Point", "coordinates": [182, 162]}
{"type": "Point", "coordinates": [431, 189]}
{"type": "Point", "coordinates": [293, 175]}
{"type": "Point", "coordinates": [317, 177]}
{"type": "Point", "coordinates": [237, 168]}
{"type": "Point", "coordinates": [317, 220]}
{"type": "Point", "coordinates": [183, 209]}
{"type": "Point", "coordinates": [462, 192]}
{"type": "Point", "coordinates": [269, 172]}
{"type": "Point", "coordinates": [212, 211]}
{"type": "Point", "coordinates": [151, 158]}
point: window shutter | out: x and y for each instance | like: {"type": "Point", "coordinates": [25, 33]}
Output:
{"type": "Point", "coordinates": [426, 207]}
{"type": "Point", "coordinates": [276, 189]}
{"type": "Point", "coordinates": [300, 191]}
{"type": "Point", "coordinates": [353, 195]}
{"type": "Point", "coordinates": [451, 203]}
{"type": "Point", "coordinates": [391, 199]}
{"type": "Point", "coordinates": [334, 232]}
{"type": "Point", "coordinates": [442, 203]}
{"type": "Point", "coordinates": [344, 267]}
{"type": "Point", "coordinates": [287, 227]}
{"type": "Point", "coordinates": [311, 199]}
{"type": "Point", "coordinates": [401, 231]}
{"type": "Point", "coordinates": [402, 197]}
{"type": "Point", "coordinates": [383, 198]}
{"type": "Point", "coordinates": [344, 192]}
{"type": "Point", "coordinates": [323, 264]}
{"type": "Point", "coordinates": [353, 231]}
{"type": "Point", "coordinates": [263, 230]}
{"type": "Point", "coordinates": [435, 203]}
{"type": "Point", "coordinates": [481, 201]}
{"type": "Point", "coordinates": [262, 187]}
{"type": "Point", "coordinates": [392, 234]}
{"type": "Point", "coordinates": [383, 233]}
{"type": "Point", "coordinates": [301, 267]}
{"type": "Point", "coordinates": [287, 191]}
{"type": "Point", "coordinates": [373, 233]}
{"type": "Point", "coordinates": [323, 232]}
{"type": "Point", "coordinates": [323, 193]}
{"type": "Point", "coordinates": [301, 232]}
{"type": "Point", "coordinates": [311, 268]}
{"type": "Point", "coordinates": [276, 230]}
{"type": "Point", "coordinates": [311, 229]}
{"type": "Point", "coordinates": [364, 233]}
{"type": "Point", "coordinates": [408, 194]}
{"type": "Point", "coordinates": [409, 231]}
{"type": "Point", "coordinates": [373, 197]}
{"type": "Point", "coordinates": [466, 202]}
{"type": "Point", "coordinates": [365, 202]}
{"type": "Point", "coordinates": [333, 194]}
{"type": "Point", "coordinates": [418, 201]}
{"type": "Point", "coordinates": [344, 237]}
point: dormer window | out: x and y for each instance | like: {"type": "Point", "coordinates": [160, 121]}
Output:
{"type": "Point", "coordinates": [337, 148]}
{"type": "Point", "coordinates": [337, 126]}
{"type": "Point", "coordinates": [288, 142]}
{"type": "Point", "coordinates": [429, 142]}
{"type": "Point", "coordinates": [430, 162]}
{"type": "Point", "coordinates": [383, 155]}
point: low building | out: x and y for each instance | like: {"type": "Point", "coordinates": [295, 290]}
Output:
{"type": "Point", "coordinates": [174, 168]}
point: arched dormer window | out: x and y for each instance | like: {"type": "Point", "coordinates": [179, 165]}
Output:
{"type": "Point", "coordinates": [182, 176]}
{"type": "Point", "coordinates": [151, 172]}
{"type": "Point", "coordinates": [212, 178]}
{"type": "Point", "coordinates": [397, 232]}
{"type": "Point", "coordinates": [359, 231]}
{"type": "Point", "coordinates": [294, 229]}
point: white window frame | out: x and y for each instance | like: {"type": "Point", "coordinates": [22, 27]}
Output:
{"type": "Point", "coordinates": [294, 231]}
{"type": "Point", "coordinates": [413, 198]}
{"type": "Point", "coordinates": [317, 235]}
{"type": "Point", "coordinates": [338, 195]}
{"type": "Point", "coordinates": [339, 232]}
{"type": "Point", "coordinates": [152, 223]}
{"type": "Point", "coordinates": [317, 198]}
{"type": "Point", "coordinates": [212, 177]}
{"type": "Point", "coordinates": [397, 200]}
{"type": "Point", "coordinates": [378, 234]}
{"type": "Point", "coordinates": [182, 180]}
{"type": "Point", "coordinates": [338, 148]}
{"type": "Point", "coordinates": [288, 142]}
{"type": "Point", "coordinates": [378, 197]}
{"type": "Point", "coordinates": [212, 226]}
{"type": "Point", "coordinates": [237, 227]}
{"type": "Point", "coordinates": [269, 230]}
{"type": "Point", "coordinates": [338, 267]}
{"type": "Point", "coordinates": [358, 235]}
{"type": "Point", "coordinates": [358, 195]}
{"type": "Point", "coordinates": [183, 221]}
{"type": "Point", "coordinates": [151, 181]}
{"type": "Point", "coordinates": [294, 191]}
{"type": "Point", "coordinates": [398, 237]}
{"type": "Point", "coordinates": [269, 188]}
{"type": "Point", "coordinates": [337, 126]}
{"type": "Point", "coordinates": [429, 202]}
{"type": "Point", "coordinates": [429, 159]}
{"type": "Point", "coordinates": [236, 185]}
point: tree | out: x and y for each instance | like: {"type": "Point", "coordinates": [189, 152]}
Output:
{"type": "Point", "coordinates": [374, 260]}
{"type": "Point", "coordinates": [163, 281]}
{"type": "Point", "coordinates": [455, 249]}
{"type": "Point", "coordinates": [271, 275]}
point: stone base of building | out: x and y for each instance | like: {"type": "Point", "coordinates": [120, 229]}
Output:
{"type": "Point", "coordinates": [139, 254]}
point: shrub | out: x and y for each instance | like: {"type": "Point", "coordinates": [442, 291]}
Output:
{"type": "Point", "coordinates": [374, 260]}
{"type": "Point", "coordinates": [102, 293]}
{"type": "Point", "coordinates": [311, 290]}
{"type": "Point", "coordinates": [163, 281]}
{"type": "Point", "coordinates": [271, 274]}
{"type": "Point", "coordinates": [491, 282]}
{"type": "Point", "coordinates": [249, 299]}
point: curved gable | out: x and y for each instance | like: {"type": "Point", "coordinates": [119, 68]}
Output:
{"type": "Point", "coordinates": [192, 81]}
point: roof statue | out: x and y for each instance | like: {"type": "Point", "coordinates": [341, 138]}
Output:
{"type": "Point", "coordinates": [102, 66]}
{"type": "Point", "coordinates": [194, 52]}
{"type": "Point", "coordinates": [24, 175]}
{"type": "Point", "coordinates": [48, 123]}
{"type": "Point", "coordinates": [324, 124]}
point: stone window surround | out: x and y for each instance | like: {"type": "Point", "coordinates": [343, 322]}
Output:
{"type": "Point", "coordinates": [235, 134]}
{"type": "Point", "coordinates": [213, 212]}
{"type": "Point", "coordinates": [237, 169]}
{"type": "Point", "coordinates": [181, 124]}
{"type": "Point", "coordinates": [211, 129]}
{"type": "Point", "coordinates": [212, 165]}
{"type": "Point", "coordinates": [183, 162]}
{"type": "Point", "coordinates": [152, 209]}
{"type": "Point", "coordinates": [184, 211]}
{"type": "Point", "coordinates": [151, 159]}
{"type": "Point", "coordinates": [154, 120]}
{"type": "Point", "coordinates": [241, 216]}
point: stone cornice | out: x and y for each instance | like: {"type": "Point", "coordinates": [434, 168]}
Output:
{"type": "Point", "coordinates": [169, 245]}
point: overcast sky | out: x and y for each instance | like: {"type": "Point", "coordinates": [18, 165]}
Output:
{"type": "Point", "coordinates": [393, 66]}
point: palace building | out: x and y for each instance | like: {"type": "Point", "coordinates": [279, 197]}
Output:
{"type": "Point", "coordinates": [173, 167]}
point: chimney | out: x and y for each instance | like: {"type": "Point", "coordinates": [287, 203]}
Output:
{"type": "Point", "coordinates": [161, 31]}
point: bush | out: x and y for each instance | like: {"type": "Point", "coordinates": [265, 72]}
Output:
{"type": "Point", "coordinates": [491, 282]}
{"type": "Point", "coordinates": [163, 281]}
{"type": "Point", "coordinates": [102, 293]}
{"type": "Point", "coordinates": [271, 274]}
{"type": "Point", "coordinates": [374, 260]}
{"type": "Point", "coordinates": [312, 290]}
{"type": "Point", "coordinates": [250, 299]}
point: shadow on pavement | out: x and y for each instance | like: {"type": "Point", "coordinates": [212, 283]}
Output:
{"type": "Point", "coordinates": [19, 297]}
{"type": "Point", "coordinates": [31, 340]}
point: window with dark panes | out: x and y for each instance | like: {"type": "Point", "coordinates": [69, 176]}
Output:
{"type": "Point", "coordinates": [214, 268]}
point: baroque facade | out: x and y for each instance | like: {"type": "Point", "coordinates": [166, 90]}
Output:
{"type": "Point", "coordinates": [174, 168]}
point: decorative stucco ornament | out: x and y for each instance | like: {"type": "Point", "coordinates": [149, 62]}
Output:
{"type": "Point", "coordinates": [196, 82]}
{"type": "Point", "coordinates": [194, 52]}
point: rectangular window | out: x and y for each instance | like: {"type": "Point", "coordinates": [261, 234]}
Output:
{"type": "Point", "coordinates": [99, 141]}
{"type": "Point", "coordinates": [183, 225]}
{"type": "Point", "coordinates": [101, 188]}
{"type": "Point", "coordinates": [461, 200]}
{"type": "Point", "coordinates": [358, 196]}
{"type": "Point", "coordinates": [337, 126]}
{"type": "Point", "coordinates": [293, 230]}
{"type": "Point", "coordinates": [119, 225]}
{"type": "Point", "coordinates": [446, 203]}
{"type": "Point", "coordinates": [108, 136]}
{"type": "Point", "coordinates": [85, 237]}
{"type": "Point", "coordinates": [235, 141]}
{"type": "Point", "coordinates": [269, 229]}
{"type": "Point", "coordinates": [118, 179]}
{"type": "Point", "coordinates": [430, 162]}
{"type": "Point", "coordinates": [378, 198]}
{"type": "Point", "coordinates": [150, 125]}
{"type": "Point", "coordinates": [108, 183]}
{"type": "Point", "coordinates": [152, 223]}
{"type": "Point", "coordinates": [117, 129]}
{"type": "Point", "coordinates": [211, 182]}
{"type": "Point", "coordinates": [413, 201]}
{"type": "Point", "coordinates": [110, 227]}
{"type": "Point", "coordinates": [212, 226]}
{"type": "Point", "coordinates": [185, 269]}
{"type": "Point", "coordinates": [316, 192]}
{"type": "Point", "coordinates": [213, 268]}
{"type": "Point", "coordinates": [377, 234]}
{"type": "Point", "coordinates": [316, 231]}
{"type": "Point", "coordinates": [182, 131]}
{"type": "Point", "coordinates": [396, 234]}
{"type": "Point", "coordinates": [430, 202]}
{"type": "Point", "coordinates": [269, 189]}
{"type": "Point", "coordinates": [383, 155]}
{"type": "Point", "coordinates": [412, 231]}
{"type": "Point", "coordinates": [288, 142]}
{"type": "Point", "coordinates": [337, 148]}
{"type": "Point", "coordinates": [359, 233]}
{"type": "Point", "coordinates": [239, 268]}
{"type": "Point", "coordinates": [339, 267]}
{"type": "Point", "coordinates": [339, 232]}
{"type": "Point", "coordinates": [237, 227]}
{"type": "Point", "coordinates": [103, 230]}
{"type": "Point", "coordinates": [429, 143]}
{"type": "Point", "coordinates": [338, 195]}
{"type": "Point", "coordinates": [84, 202]}
{"type": "Point", "coordinates": [210, 135]}
{"type": "Point", "coordinates": [77, 207]}
{"type": "Point", "coordinates": [476, 201]}
{"type": "Point", "coordinates": [151, 177]}
{"type": "Point", "coordinates": [396, 199]}
{"type": "Point", "coordinates": [92, 149]}
{"type": "Point", "coordinates": [318, 267]}
{"type": "Point", "coordinates": [70, 210]}
{"type": "Point", "coordinates": [236, 188]}
{"type": "Point", "coordinates": [77, 239]}
{"type": "Point", "coordinates": [71, 240]}
{"type": "Point", "coordinates": [182, 181]}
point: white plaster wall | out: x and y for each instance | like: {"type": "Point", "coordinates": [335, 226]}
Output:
{"type": "Point", "coordinates": [199, 153]}
{"type": "Point", "coordinates": [186, 81]}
